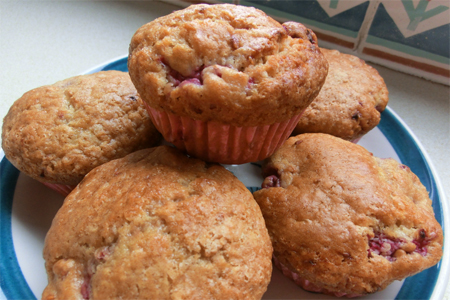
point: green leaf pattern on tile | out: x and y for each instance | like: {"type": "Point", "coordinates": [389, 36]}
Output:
{"type": "Point", "coordinates": [334, 3]}
{"type": "Point", "coordinates": [419, 14]}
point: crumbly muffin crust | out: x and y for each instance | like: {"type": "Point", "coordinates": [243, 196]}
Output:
{"type": "Point", "coordinates": [226, 63]}
{"type": "Point", "coordinates": [349, 103]}
{"type": "Point", "coordinates": [158, 225]}
{"type": "Point", "coordinates": [344, 220]}
{"type": "Point", "coordinates": [58, 133]}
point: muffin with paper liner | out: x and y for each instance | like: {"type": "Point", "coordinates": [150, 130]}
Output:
{"type": "Point", "coordinates": [157, 224]}
{"type": "Point", "coordinates": [344, 222]}
{"type": "Point", "coordinates": [57, 133]}
{"type": "Point", "coordinates": [225, 83]}
{"type": "Point", "coordinates": [350, 102]}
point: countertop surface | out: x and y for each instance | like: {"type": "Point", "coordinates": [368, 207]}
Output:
{"type": "Point", "coordinates": [42, 42]}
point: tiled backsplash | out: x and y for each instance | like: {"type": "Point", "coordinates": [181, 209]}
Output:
{"type": "Point", "coordinates": [411, 36]}
{"type": "Point", "coordinates": [414, 35]}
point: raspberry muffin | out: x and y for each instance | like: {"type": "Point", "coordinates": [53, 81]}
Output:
{"type": "Point", "coordinates": [225, 83]}
{"type": "Point", "coordinates": [350, 102]}
{"type": "Point", "coordinates": [344, 222]}
{"type": "Point", "coordinates": [57, 133]}
{"type": "Point", "coordinates": [157, 224]}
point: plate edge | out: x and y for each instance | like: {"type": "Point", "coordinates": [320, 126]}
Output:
{"type": "Point", "coordinates": [444, 274]}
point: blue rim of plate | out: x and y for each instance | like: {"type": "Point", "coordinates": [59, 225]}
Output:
{"type": "Point", "coordinates": [407, 147]}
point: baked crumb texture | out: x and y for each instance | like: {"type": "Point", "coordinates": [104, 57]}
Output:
{"type": "Point", "coordinates": [158, 225]}
{"type": "Point", "coordinates": [226, 63]}
{"type": "Point", "coordinates": [349, 103]}
{"type": "Point", "coordinates": [58, 133]}
{"type": "Point", "coordinates": [343, 220]}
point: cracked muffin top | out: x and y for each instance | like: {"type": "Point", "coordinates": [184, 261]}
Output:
{"type": "Point", "coordinates": [58, 133]}
{"type": "Point", "coordinates": [226, 63]}
{"type": "Point", "coordinates": [350, 101]}
{"type": "Point", "coordinates": [344, 220]}
{"type": "Point", "coordinates": [157, 224]}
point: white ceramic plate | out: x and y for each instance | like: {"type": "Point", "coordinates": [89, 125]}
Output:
{"type": "Point", "coordinates": [28, 207]}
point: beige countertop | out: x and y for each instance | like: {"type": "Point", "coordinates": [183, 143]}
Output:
{"type": "Point", "coordinates": [42, 42]}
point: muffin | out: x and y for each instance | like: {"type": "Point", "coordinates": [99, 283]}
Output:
{"type": "Point", "coordinates": [349, 103]}
{"type": "Point", "coordinates": [57, 133]}
{"type": "Point", "coordinates": [225, 83]}
{"type": "Point", "coordinates": [344, 222]}
{"type": "Point", "coordinates": [157, 224]}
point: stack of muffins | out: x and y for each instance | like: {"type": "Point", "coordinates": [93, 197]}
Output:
{"type": "Point", "coordinates": [225, 84]}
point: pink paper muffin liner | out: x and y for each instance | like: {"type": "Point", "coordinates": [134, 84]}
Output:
{"type": "Point", "coordinates": [355, 141]}
{"type": "Point", "coordinates": [63, 189]}
{"type": "Point", "coordinates": [306, 284]}
{"type": "Point", "coordinates": [225, 144]}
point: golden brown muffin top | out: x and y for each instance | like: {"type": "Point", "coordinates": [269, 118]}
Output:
{"type": "Point", "coordinates": [345, 220]}
{"type": "Point", "coordinates": [158, 225]}
{"type": "Point", "coordinates": [226, 63]}
{"type": "Point", "coordinates": [58, 133]}
{"type": "Point", "coordinates": [349, 103]}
